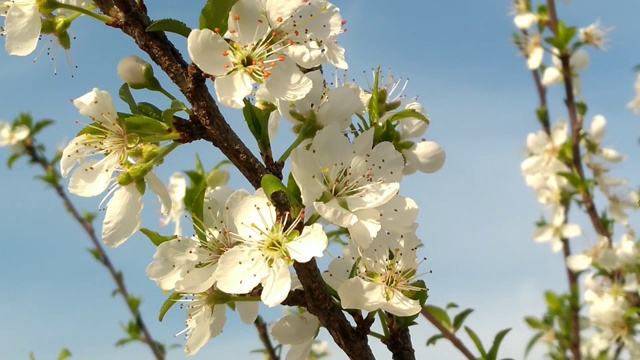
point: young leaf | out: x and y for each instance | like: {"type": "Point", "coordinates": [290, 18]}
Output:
{"type": "Point", "coordinates": [476, 341]}
{"type": "Point", "coordinates": [458, 320]}
{"type": "Point", "coordinates": [532, 342]}
{"type": "Point", "coordinates": [156, 238]}
{"type": "Point", "coordinates": [170, 25]}
{"type": "Point", "coordinates": [127, 97]}
{"type": "Point", "coordinates": [440, 314]}
{"type": "Point", "coordinates": [432, 340]}
{"type": "Point", "coordinates": [493, 352]}
{"type": "Point", "coordinates": [64, 354]}
{"type": "Point", "coordinates": [215, 15]}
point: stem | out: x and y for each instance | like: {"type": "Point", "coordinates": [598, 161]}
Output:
{"type": "Point", "coordinates": [101, 18]}
{"type": "Point", "coordinates": [448, 334]}
{"type": "Point", "coordinates": [301, 137]}
{"type": "Point", "coordinates": [264, 337]}
{"type": "Point", "coordinates": [399, 341]}
{"type": "Point", "coordinates": [166, 93]}
{"type": "Point", "coordinates": [104, 258]}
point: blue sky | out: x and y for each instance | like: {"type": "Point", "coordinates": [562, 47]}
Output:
{"type": "Point", "coordinates": [476, 216]}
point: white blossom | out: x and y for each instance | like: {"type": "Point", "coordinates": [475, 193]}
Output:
{"type": "Point", "coordinates": [345, 182]}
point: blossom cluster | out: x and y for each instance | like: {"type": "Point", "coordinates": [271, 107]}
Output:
{"type": "Point", "coordinates": [352, 148]}
{"type": "Point", "coordinates": [563, 169]}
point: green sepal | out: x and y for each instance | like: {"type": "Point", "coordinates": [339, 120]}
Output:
{"type": "Point", "coordinates": [171, 300]}
{"type": "Point", "coordinates": [258, 123]}
{"type": "Point", "coordinates": [156, 238]}
{"type": "Point", "coordinates": [170, 25]}
{"type": "Point", "coordinates": [476, 340]}
{"type": "Point", "coordinates": [215, 15]}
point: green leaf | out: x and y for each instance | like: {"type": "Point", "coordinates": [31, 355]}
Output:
{"type": "Point", "coordinates": [149, 110]}
{"type": "Point", "coordinates": [64, 354]}
{"type": "Point", "coordinates": [476, 340]}
{"type": "Point", "coordinates": [215, 15]}
{"type": "Point", "coordinates": [375, 97]}
{"type": "Point", "coordinates": [458, 320]}
{"type": "Point", "coordinates": [407, 113]}
{"type": "Point", "coordinates": [258, 123]}
{"type": "Point", "coordinates": [171, 300]}
{"type": "Point", "coordinates": [170, 25]}
{"type": "Point", "coordinates": [217, 178]}
{"type": "Point", "coordinates": [432, 340]}
{"type": "Point", "coordinates": [155, 237]}
{"type": "Point", "coordinates": [271, 184]}
{"type": "Point", "coordinates": [95, 253]}
{"type": "Point", "coordinates": [497, 340]}
{"type": "Point", "coordinates": [535, 323]}
{"type": "Point", "coordinates": [134, 302]}
{"type": "Point", "coordinates": [176, 106]}
{"type": "Point", "coordinates": [440, 314]}
{"type": "Point", "coordinates": [12, 159]}
{"type": "Point", "coordinates": [40, 125]}
{"type": "Point", "coordinates": [127, 97]}
{"type": "Point", "coordinates": [145, 126]}
{"type": "Point", "coordinates": [532, 343]}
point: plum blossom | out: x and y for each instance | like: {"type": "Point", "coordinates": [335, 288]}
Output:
{"type": "Point", "coordinates": [385, 272]}
{"type": "Point", "coordinates": [188, 264]}
{"type": "Point", "coordinates": [107, 137]}
{"type": "Point", "coordinates": [299, 331]}
{"type": "Point", "coordinates": [322, 106]}
{"type": "Point", "coordinates": [634, 104]}
{"type": "Point", "coordinates": [544, 150]}
{"type": "Point", "coordinates": [206, 318]}
{"type": "Point", "coordinates": [309, 28]}
{"type": "Point", "coordinates": [595, 35]}
{"type": "Point", "coordinates": [578, 61]}
{"type": "Point", "coordinates": [251, 57]}
{"type": "Point", "coordinates": [265, 249]}
{"type": "Point", "coordinates": [424, 156]}
{"type": "Point", "coordinates": [557, 231]}
{"type": "Point", "coordinates": [524, 18]}
{"type": "Point", "coordinates": [345, 182]}
{"type": "Point", "coordinates": [21, 27]}
{"type": "Point", "coordinates": [13, 136]}
{"type": "Point", "coordinates": [177, 188]}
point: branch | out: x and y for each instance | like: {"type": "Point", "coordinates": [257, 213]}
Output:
{"type": "Point", "coordinates": [448, 334]}
{"type": "Point", "coordinates": [399, 341]}
{"type": "Point", "coordinates": [32, 152]}
{"type": "Point", "coordinates": [264, 337]}
{"type": "Point", "coordinates": [133, 21]}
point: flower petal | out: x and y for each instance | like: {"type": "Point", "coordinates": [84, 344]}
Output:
{"type": "Point", "coordinates": [123, 216]}
{"type": "Point", "coordinates": [22, 26]}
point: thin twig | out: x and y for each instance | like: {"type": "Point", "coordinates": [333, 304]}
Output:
{"type": "Point", "coordinates": [88, 228]}
{"type": "Point", "coordinates": [264, 337]}
{"type": "Point", "coordinates": [448, 334]}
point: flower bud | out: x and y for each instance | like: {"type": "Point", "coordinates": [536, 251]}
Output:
{"type": "Point", "coordinates": [136, 72]}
